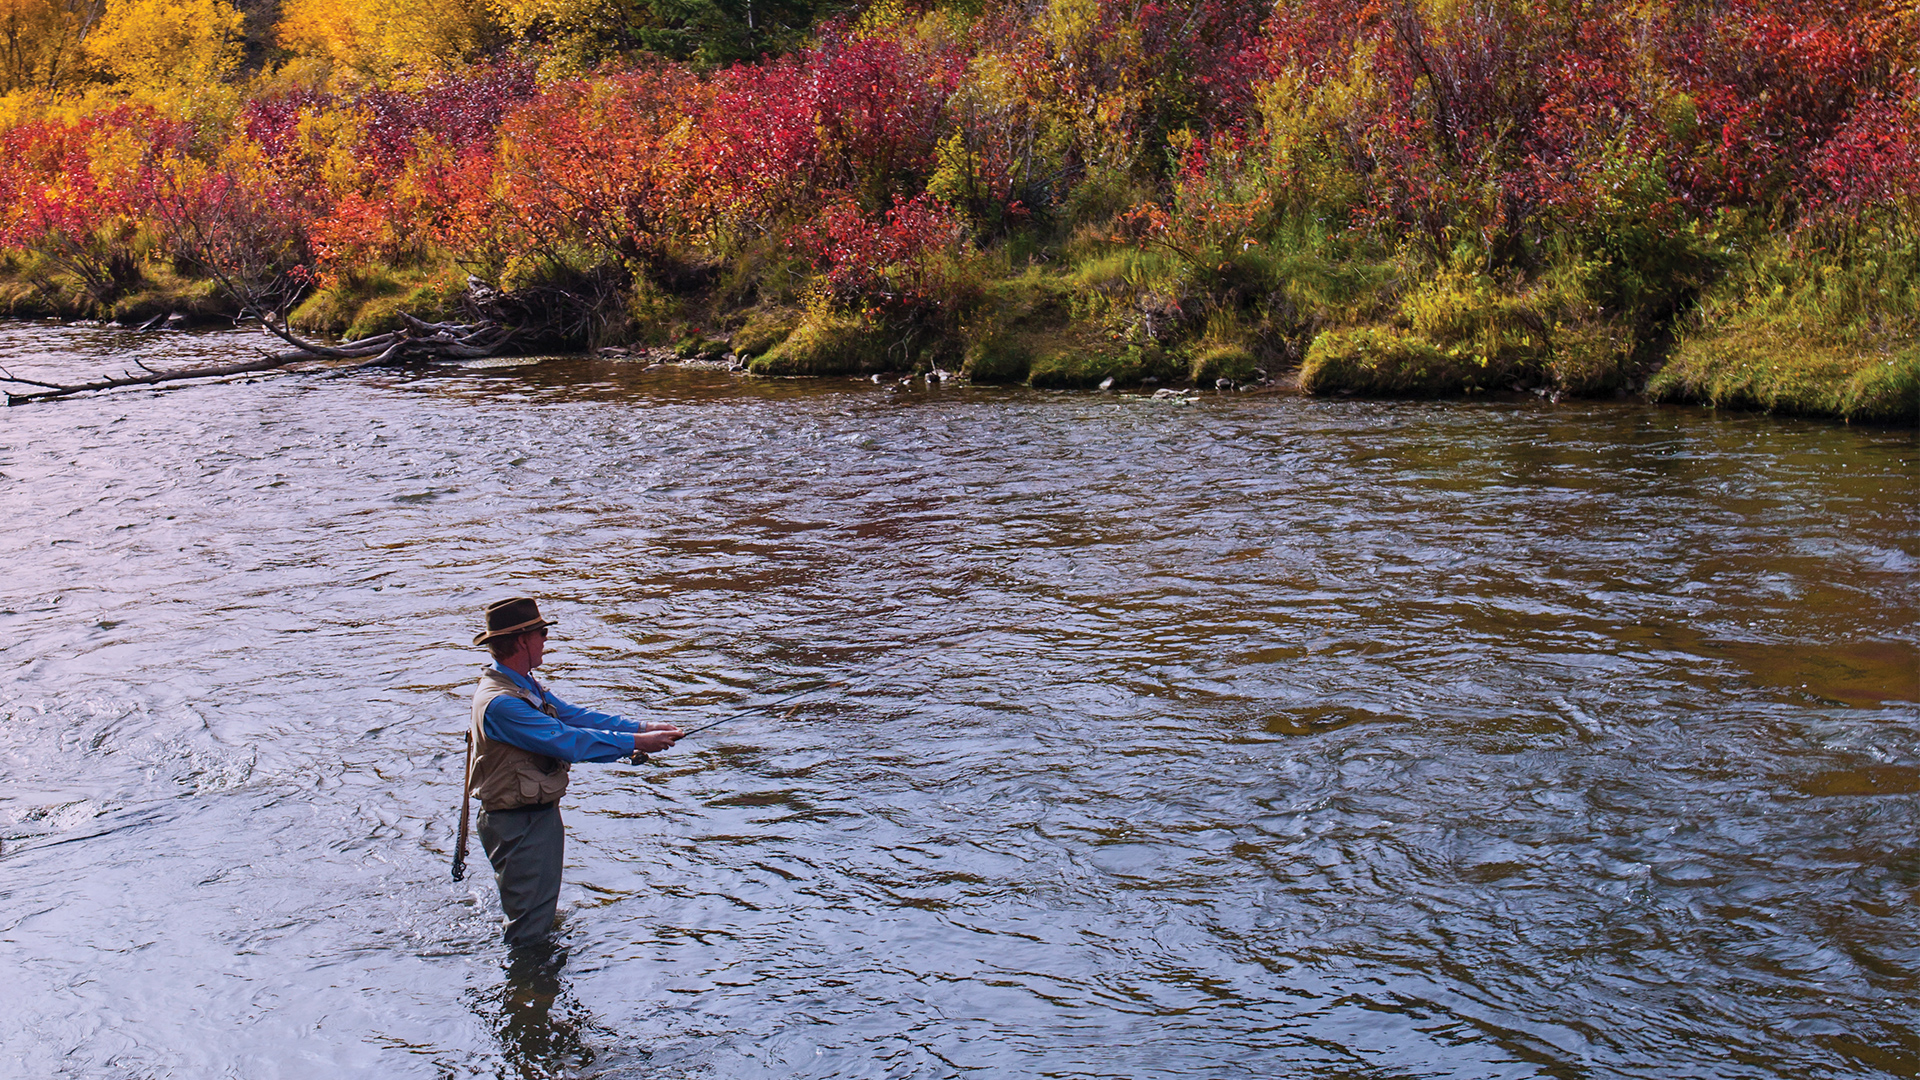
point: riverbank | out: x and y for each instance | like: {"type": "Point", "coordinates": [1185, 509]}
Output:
{"type": "Point", "coordinates": [1062, 329]}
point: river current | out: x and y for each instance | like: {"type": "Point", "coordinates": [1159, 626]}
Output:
{"type": "Point", "coordinates": [1254, 737]}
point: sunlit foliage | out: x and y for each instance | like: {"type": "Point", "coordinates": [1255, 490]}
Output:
{"type": "Point", "coordinates": [384, 42]}
{"type": "Point", "coordinates": [575, 36]}
{"type": "Point", "coordinates": [161, 46]}
{"type": "Point", "coordinates": [40, 42]}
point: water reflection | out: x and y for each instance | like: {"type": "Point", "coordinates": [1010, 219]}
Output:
{"type": "Point", "coordinates": [542, 1029]}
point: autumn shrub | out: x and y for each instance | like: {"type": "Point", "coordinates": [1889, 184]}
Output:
{"type": "Point", "coordinates": [854, 119]}
{"type": "Point", "coordinates": [234, 219]}
{"type": "Point", "coordinates": [1402, 194]}
{"type": "Point", "coordinates": [162, 48]}
{"type": "Point", "coordinates": [389, 177]}
{"type": "Point", "coordinates": [591, 173]}
{"type": "Point", "coordinates": [911, 266]}
{"type": "Point", "coordinates": [1769, 85]}
{"type": "Point", "coordinates": [1006, 154]}
{"type": "Point", "coordinates": [1218, 212]}
{"type": "Point", "coordinates": [76, 194]}
{"type": "Point", "coordinates": [385, 42]}
{"type": "Point", "coordinates": [459, 110]}
{"type": "Point", "coordinates": [43, 46]}
{"type": "Point", "coordinates": [1127, 75]}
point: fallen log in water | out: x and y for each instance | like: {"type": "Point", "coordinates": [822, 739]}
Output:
{"type": "Point", "coordinates": [416, 341]}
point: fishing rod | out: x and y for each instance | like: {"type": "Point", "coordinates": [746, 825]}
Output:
{"type": "Point", "coordinates": [757, 710]}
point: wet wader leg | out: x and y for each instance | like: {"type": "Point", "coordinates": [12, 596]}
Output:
{"type": "Point", "coordinates": [527, 849]}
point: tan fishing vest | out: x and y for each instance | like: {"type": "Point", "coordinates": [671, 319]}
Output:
{"type": "Point", "coordinates": [503, 776]}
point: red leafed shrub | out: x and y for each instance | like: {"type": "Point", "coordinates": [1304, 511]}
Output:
{"type": "Point", "coordinates": [1154, 68]}
{"type": "Point", "coordinates": [75, 193]}
{"type": "Point", "coordinates": [860, 117]}
{"type": "Point", "coordinates": [1772, 82]}
{"type": "Point", "coordinates": [601, 166]}
{"type": "Point", "coordinates": [1873, 159]}
{"type": "Point", "coordinates": [1215, 214]}
{"type": "Point", "coordinates": [904, 261]}
{"type": "Point", "coordinates": [237, 222]}
{"type": "Point", "coordinates": [273, 121]}
{"type": "Point", "coordinates": [356, 231]}
{"type": "Point", "coordinates": [460, 111]}
{"type": "Point", "coordinates": [451, 199]}
{"type": "Point", "coordinates": [1465, 120]}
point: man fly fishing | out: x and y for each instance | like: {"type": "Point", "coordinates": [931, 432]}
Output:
{"type": "Point", "coordinates": [519, 747]}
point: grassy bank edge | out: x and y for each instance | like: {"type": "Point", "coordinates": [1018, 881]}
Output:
{"type": "Point", "coordinates": [1037, 328]}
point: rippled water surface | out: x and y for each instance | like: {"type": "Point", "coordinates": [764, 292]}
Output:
{"type": "Point", "coordinates": [1250, 738]}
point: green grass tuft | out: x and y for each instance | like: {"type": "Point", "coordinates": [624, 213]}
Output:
{"type": "Point", "coordinates": [827, 341]}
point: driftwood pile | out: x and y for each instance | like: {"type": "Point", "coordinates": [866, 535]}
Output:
{"type": "Point", "coordinates": [416, 341]}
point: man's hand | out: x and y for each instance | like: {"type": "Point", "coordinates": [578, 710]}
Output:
{"type": "Point", "coordinates": [655, 738]}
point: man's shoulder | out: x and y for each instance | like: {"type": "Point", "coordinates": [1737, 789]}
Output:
{"type": "Point", "coordinates": [493, 681]}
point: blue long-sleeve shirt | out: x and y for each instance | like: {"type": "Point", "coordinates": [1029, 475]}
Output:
{"type": "Point", "coordinates": [572, 734]}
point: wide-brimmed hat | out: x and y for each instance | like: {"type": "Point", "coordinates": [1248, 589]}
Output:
{"type": "Point", "coordinates": [508, 617]}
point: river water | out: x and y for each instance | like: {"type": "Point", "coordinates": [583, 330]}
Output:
{"type": "Point", "coordinates": [1255, 737]}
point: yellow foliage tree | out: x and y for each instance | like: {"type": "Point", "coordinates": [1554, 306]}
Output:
{"type": "Point", "coordinates": [40, 42]}
{"type": "Point", "coordinates": [387, 41]}
{"type": "Point", "coordinates": [167, 45]}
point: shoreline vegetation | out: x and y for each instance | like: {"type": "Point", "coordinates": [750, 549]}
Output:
{"type": "Point", "coordinates": [1706, 201]}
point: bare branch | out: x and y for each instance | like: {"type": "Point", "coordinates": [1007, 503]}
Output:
{"type": "Point", "coordinates": [30, 382]}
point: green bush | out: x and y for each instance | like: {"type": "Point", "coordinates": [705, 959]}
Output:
{"type": "Point", "coordinates": [334, 307]}
{"type": "Point", "coordinates": [1214, 361]}
{"type": "Point", "coordinates": [1224, 352]}
{"type": "Point", "coordinates": [369, 301]}
{"type": "Point", "coordinates": [1080, 368]}
{"type": "Point", "coordinates": [1754, 371]}
{"type": "Point", "coordinates": [997, 359]}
